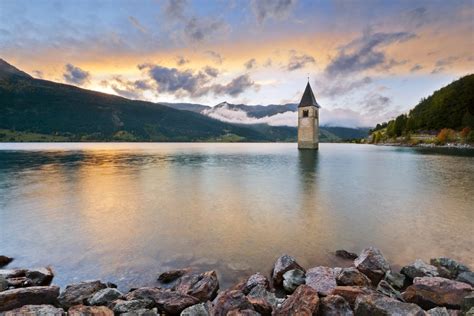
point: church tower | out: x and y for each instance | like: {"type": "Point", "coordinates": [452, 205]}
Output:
{"type": "Point", "coordinates": [308, 120]}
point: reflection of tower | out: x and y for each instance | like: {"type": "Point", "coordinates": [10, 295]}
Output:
{"type": "Point", "coordinates": [308, 120]}
{"type": "Point", "coordinates": [307, 167]}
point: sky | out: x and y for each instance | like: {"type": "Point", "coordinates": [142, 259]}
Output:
{"type": "Point", "coordinates": [367, 61]}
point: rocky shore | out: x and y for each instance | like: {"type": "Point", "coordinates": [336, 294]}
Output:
{"type": "Point", "coordinates": [368, 287]}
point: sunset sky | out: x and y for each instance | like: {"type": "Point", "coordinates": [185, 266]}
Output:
{"type": "Point", "coordinates": [367, 60]}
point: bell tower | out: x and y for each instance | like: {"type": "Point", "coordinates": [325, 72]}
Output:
{"type": "Point", "coordinates": [308, 120]}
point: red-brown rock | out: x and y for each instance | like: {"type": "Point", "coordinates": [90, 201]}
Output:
{"type": "Point", "coordinates": [78, 293]}
{"type": "Point", "coordinates": [373, 264]}
{"type": "Point", "coordinates": [34, 295]}
{"type": "Point", "coordinates": [334, 305]}
{"type": "Point", "coordinates": [303, 302]}
{"type": "Point", "coordinates": [378, 304]}
{"type": "Point", "coordinates": [203, 286]}
{"type": "Point", "coordinates": [352, 276]}
{"type": "Point", "coordinates": [350, 293]}
{"type": "Point", "coordinates": [82, 310]}
{"type": "Point", "coordinates": [33, 310]}
{"type": "Point", "coordinates": [322, 279]}
{"type": "Point", "coordinates": [231, 301]}
{"type": "Point", "coordinates": [283, 264]}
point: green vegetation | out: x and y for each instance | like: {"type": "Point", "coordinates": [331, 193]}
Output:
{"type": "Point", "coordinates": [14, 136]}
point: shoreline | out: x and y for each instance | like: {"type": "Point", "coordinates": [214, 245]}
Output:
{"type": "Point", "coordinates": [429, 145]}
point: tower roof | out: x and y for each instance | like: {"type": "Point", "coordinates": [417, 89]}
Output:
{"type": "Point", "coordinates": [308, 98]}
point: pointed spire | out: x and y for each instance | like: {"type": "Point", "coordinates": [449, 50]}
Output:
{"type": "Point", "coordinates": [308, 98]}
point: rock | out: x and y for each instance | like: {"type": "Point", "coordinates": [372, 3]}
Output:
{"type": "Point", "coordinates": [387, 290]}
{"type": "Point", "coordinates": [4, 260]}
{"type": "Point", "coordinates": [377, 304]}
{"type": "Point", "coordinates": [466, 277]}
{"type": "Point", "coordinates": [17, 282]}
{"type": "Point", "coordinates": [260, 292]}
{"type": "Point", "coordinates": [34, 295]}
{"type": "Point", "coordinates": [346, 254]}
{"type": "Point", "coordinates": [334, 305]}
{"type": "Point", "coordinates": [303, 302]}
{"type": "Point", "coordinates": [201, 309]}
{"type": "Point", "coordinates": [438, 311]}
{"type": "Point", "coordinates": [203, 286]}
{"type": "Point", "coordinates": [430, 292]}
{"type": "Point", "coordinates": [467, 303]}
{"type": "Point", "coordinates": [352, 276]}
{"type": "Point", "coordinates": [244, 312]}
{"type": "Point", "coordinates": [121, 306]}
{"type": "Point", "coordinates": [104, 296]}
{"type": "Point", "coordinates": [395, 279]}
{"type": "Point", "coordinates": [253, 281]}
{"type": "Point", "coordinates": [449, 268]}
{"type": "Point", "coordinates": [292, 279]}
{"type": "Point", "coordinates": [322, 279]}
{"type": "Point", "coordinates": [231, 301]}
{"type": "Point", "coordinates": [373, 264]}
{"type": "Point", "coordinates": [150, 293]}
{"type": "Point", "coordinates": [78, 293]}
{"type": "Point", "coordinates": [12, 273]}
{"type": "Point", "coordinates": [350, 293]}
{"type": "Point", "coordinates": [3, 284]}
{"type": "Point", "coordinates": [33, 310]}
{"type": "Point", "coordinates": [283, 264]}
{"type": "Point", "coordinates": [419, 268]}
{"type": "Point", "coordinates": [82, 310]}
{"type": "Point", "coordinates": [142, 312]}
{"type": "Point", "coordinates": [174, 303]}
{"type": "Point", "coordinates": [172, 275]}
{"type": "Point", "coordinates": [260, 305]}
{"type": "Point", "coordinates": [40, 276]}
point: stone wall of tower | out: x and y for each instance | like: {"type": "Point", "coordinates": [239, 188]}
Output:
{"type": "Point", "coordinates": [308, 128]}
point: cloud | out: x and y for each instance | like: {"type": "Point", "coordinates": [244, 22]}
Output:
{"type": "Point", "coordinates": [201, 29]}
{"type": "Point", "coordinates": [444, 63]}
{"type": "Point", "coordinates": [272, 9]}
{"type": "Point", "coordinates": [235, 87]}
{"type": "Point", "coordinates": [38, 74]}
{"type": "Point", "coordinates": [416, 67]}
{"type": "Point", "coordinates": [180, 60]}
{"type": "Point", "coordinates": [215, 56]}
{"type": "Point", "coordinates": [334, 88]}
{"type": "Point", "coordinates": [76, 75]}
{"type": "Point", "coordinates": [299, 60]}
{"type": "Point", "coordinates": [376, 104]}
{"type": "Point", "coordinates": [126, 88]}
{"type": "Point", "coordinates": [416, 17]}
{"type": "Point", "coordinates": [251, 63]}
{"type": "Point", "coordinates": [175, 8]}
{"type": "Point", "coordinates": [268, 63]}
{"type": "Point", "coordinates": [137, 24]}
{"type": "Point", "coordinates": [211, 71]}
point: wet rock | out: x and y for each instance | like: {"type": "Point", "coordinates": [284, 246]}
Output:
{"type": "Point", "coordinates": [261, 293]}
{"type": "Point", "coordinates": [82, 310]}
{"type": "Point", "coordinates": [172, 275]}
{"type": "Point", "coordinates": [203, 286]}
{"type": "Point", "coordinates": [40, 276]}
{"type": "Point", "coordinates": [346, 254]}
{"type": "Point", "coordinates": [350, 293]}
{"type": "Point", "coordinates": [449, 268]}
{"type": "Point", "coordinates": [373, 264]}
{"type": "Point", "coordinates": [174, 303]}
{"type": "Point", "coordinates": [121, 306]}
{"type": "Point", "coordinates": [201, 309]}
{"type": "Point", "coordinates": [142, 312]}
{"type": "Point", "coordinates": [322, 279]}
{"type": "Point", "coordinates": [283, 264]}
{"type": "Point", "coordinates": [467, 303]}
{"type": "Point", "coordinates": [33, 310]}
{"type": "Point", "coordinates": [387, 290]}
{"type": "Point", "coordinates": [253, 281]}
{"type": "Point", "coordinates": [419, 268]}
{"type": "Point", "coordinates": [377, 304]}
{"type": "Point", "coordinates": [150, 293]}
{"type": "Point", "coordinates": [292, 279]}
{"type": "Point", "coordinates": [231, 301]}
{"type": "Point", "coordinates": [438, 311]}
{"type": "Point", "coordinates": [352, 276]}
{"type": "Point", "coordinates": [334, 305]}
{"type": "Point", "coordinates": [17, 282]}
{"type": "Point", "coordinates": [245, 312]}
{"type": "Point", "coordinates": [261, 305]}
{"type": "Point", "coordinates": [78, 293]}
{"type": "Point", "coordinates": [12, 273]}
{"type": "Point", "coordinates": [430, 292]}
{"type": "Point", "coordinates": [105, 296]}
{"type": "Point", "coordinates": [304, 302]}
{"type": "Point", "coordinates": [3, 284]}
{"type": "Point", "coordinates": [395, 279]}
{"type": "Point", "coordinates": [4, 260]}
{"type": "Point", "coordinates": [34, 295]}
{"type": "Point", "coordinates": [466, 277]}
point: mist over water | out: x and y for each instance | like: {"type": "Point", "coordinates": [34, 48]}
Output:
{"type": "Point", "coordinates": [125, 212]}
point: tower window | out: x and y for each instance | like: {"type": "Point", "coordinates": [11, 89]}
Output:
{"type": "Point", "coordinates": [305, 113]}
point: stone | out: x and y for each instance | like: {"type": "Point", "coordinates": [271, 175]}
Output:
{"type": "Point", "coordinates": [78, 293]}
{"type": "Point", "coordinates": [350, 293]}
{"type": "Point", "coordinates": [82, 310]}
{"type": "Point", "coordinates": [303, 302]}
{"type": "Point", "coordinates": [283, 264]}
{"type": "Point", "coordinates": [322, 279]}
{"type": "Point", "coordinates": [352, 276]}
{"type": "Point", "coordinates": [373, 264]}
{"type": "Point", "coordinates": [17, 282]}
{"type": "Point", "coordinates": [334, 305]}
{"type": "Point", "coordinates": [438, 311]}
{"type": "Point", "coordinates": [419, 268]}
{"type": "Point", "coordinates": [34, 295]}
{"type": "Point", "coordinates": [40, 276]}
{"type": "Point", "coordinates": [260, 305]}
{"type": "Point", "coordinates": [244, 312]}
{"type": "Point", "coordinates": [387, 290]}
{"type": "Point", "coordinates": [377, 304]}
{"type": "Point", "coordinates": [292, 279]}
{"type": "Point", "coordinates": [253, 281]}
{"type": "Point", "coordinates": [228, 301]}
{"type": "Point", "coordinates": [201, 309]}
{"type": "Point", "coordinates": [346, 254]}
{"type": "Point", "coordinates": [467, 303]}
{"type": "Point", "coordinates": [12, 273]}
{"type": "Point", "coordinates": [142, 312]}
{"type": "Point", "coordinates": [33, 310]}
{"type": "Point", "coordinates": [172, 275]}
{"type": "Point", "coordinates": [466, 277]}
{"type": "Point", "coordinates": [395, 279]}
{"type": "Point", "coordinates": [174, 302]}
{"type": "Point", "coordinates": [120, 306]}
{"type": "Point", "coordinates": [430, 292]}
{"type": "Point", "coordinates": [260, 292]}
{"type": "Point", "coordinates": [203, 286]}
{"type": "Point", "coordinates": [3, 284]}
{"type": "Point", "coordinates": [4, 260]}
{"type": "Point", "coordinates": [448, 267]}
{"type": "Point", "coordinates": [104, 296]}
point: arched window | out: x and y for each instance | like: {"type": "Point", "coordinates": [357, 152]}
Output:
{"type": "Point", "coordinates": [305, 113]}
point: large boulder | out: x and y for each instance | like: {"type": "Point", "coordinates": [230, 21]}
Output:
{"type": "Point", "coordinates": [373, 264]}
{"type": "Point", "coordinates": [292, 279]}
{"type": "Point", "coordinates": [174, 303]}
{"type": "Point", "coordinates": [34, 295]}
{"type": "Point", "coordinates": [322, 279]}
{"type": "Point", "coordinates": [255, 280]}
{"type": "Point", "coordinates": [344, 254]}
{"type": "Point", "coordinates": [39, 276]}
{"type": "Point", "coordinates": [4, 260]}
{"type": "Point", "coordinates": [430, 292]}
{"type": "Point", "coordinates": [350, 293]}
{"type": "Point", "coordinates": [172, 275]}
{"type": "Point", "coordinates": [203, 286]}
{"type": "Point", "coordinates": [33, 310]}
{"type": "Point", "coordinates": [466, 277]}
{"type": "Point", "coordinates": [449, 268]}
{"type": "Point", "coordinates": [395, 279]}
{"type": "Point", "coordinates": [201, 309]}
{"type": "Point", "coordinates": [303, 302]}
{"type": "Point", "coordinates": [419, 268]}
{"type": "Point", "coordinates": [352, 276]}
{"type": "Point", "coordinates": [79, 293]}
{"type": "Point", "coordinates": [377, 304]}
{"type": "Point", "coordinates": [82, 310]}
{"type": "Point", "coordinates": [121, 306]}
{"type": "Point", "coordinates": [232, 300]}
{"type": "Point", "coordinates": [334, 305]}
{"type": "Point", "coordinates": [105, 296]}
{"type": "Point", "coordinates": [283, 264]}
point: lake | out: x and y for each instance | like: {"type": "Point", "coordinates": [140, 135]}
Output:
{"type": "Point", "coordinates": [124, 212]}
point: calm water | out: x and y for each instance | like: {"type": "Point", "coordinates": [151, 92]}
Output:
{"type": "Point", "coordinates": [124, 212]}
